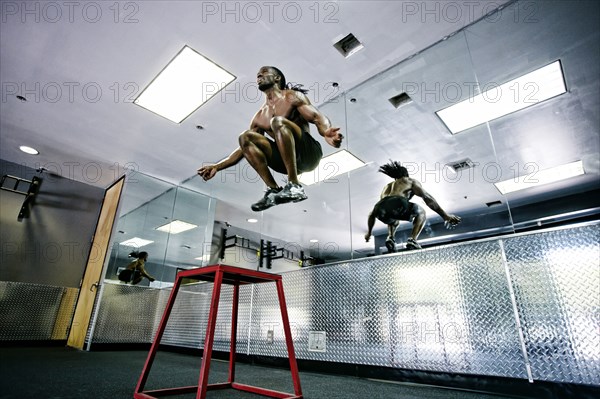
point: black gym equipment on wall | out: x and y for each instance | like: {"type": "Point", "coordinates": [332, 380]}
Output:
{"type": "Point", "coordinates": [266, 251]}
{"type": "Point", "coordinates": [30, 194]}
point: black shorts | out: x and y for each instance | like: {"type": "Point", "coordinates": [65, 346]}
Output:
{"type": "Point", "coordinates": [308, 155]}
{"type": "Point", "coordinates": [128, 275]}
{"type": "Point", "coordinates": [391, 209]}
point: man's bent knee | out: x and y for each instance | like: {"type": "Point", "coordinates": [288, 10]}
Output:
{"type": "Point", "coordinates": [277, 122]}
{"type": "Point", "coordinates": [418, 212]}
{"type": "Point", "coordinates": [246, 138]}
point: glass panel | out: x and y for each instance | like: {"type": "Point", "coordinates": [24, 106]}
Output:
{"type": "Point", "coordinates": [235, 237]}
{"type": "Point", "coordinates": [147, 204]}
{"type": "Point", "coordinates": [191, 248]}
{"type": "Point", "coordinates": [546, 135]}
{"type": "Point", "coordinates": [322, 222]}
{"type": "Point", "coordinates": [393, 117]}
{"type": "Point", "coordinates": [316, 230]}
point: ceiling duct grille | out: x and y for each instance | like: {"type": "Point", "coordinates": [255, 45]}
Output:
{"type": "Point", "coordinates": [400, 100]}
{"type": "Point", "coordinates": [493, 203]}
{"type": "Point", "coordinates": [461, 165]}
{"type": "Point", "coordinates": [348, 45]}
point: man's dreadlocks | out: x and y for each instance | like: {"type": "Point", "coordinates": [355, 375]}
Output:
{"type": "Point", "coordinates": [283, 85]}
{"type": "Point", "coordinates": [394, 170]}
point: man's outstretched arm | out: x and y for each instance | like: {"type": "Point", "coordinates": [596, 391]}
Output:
{"type": "Point", "coordinates": [144, 273]}
{"type": "Point", "coordinates": [311, 114]}
{"type": "Point", "coordinates": [209, 171]}
{"type": "Point", "coordinates": [417, 188]}
{"type": "Point", "coordinates": [370, 224]}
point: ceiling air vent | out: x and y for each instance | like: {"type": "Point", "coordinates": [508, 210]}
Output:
{"type": "Point", "coordinates": [400, 100]}
{"type": "Point", "coordinates": [348, 45]}
{"type": "Point", "coordinates": [461, 165]}
{"type": "Point", "coordinates": [493, 203]}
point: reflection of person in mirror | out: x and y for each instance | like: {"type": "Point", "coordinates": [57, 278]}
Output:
{"type": "Point", "coordinates": [279, 139]}
{"type": "Point", "coordinates": [394, 206]}
{"type": "Point", "coordinates": [138, 270]}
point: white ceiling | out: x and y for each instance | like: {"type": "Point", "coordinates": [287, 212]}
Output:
{"type": "Point", "coordinates": [81, 67]}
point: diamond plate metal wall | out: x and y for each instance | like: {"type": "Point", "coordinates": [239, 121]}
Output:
{"type": "Point", "coordinates": [189, 318]}
{"type": "Point", "coordinates": [334, 299]}
{"type": "Point", "coordinates": [556, 279]}
{"type": "Point", "coordinates": [126, 314]}
{"type": "Point", "coordinates": [30, 311]}
{"type": "Point", "coordinates": [265, 317]}
{"type": "Point", "coordinates": [444, 309]}
{"type": "Point", "coordinates": [187, 323]}
{"type": "Point", "coordinates": [451, 309]}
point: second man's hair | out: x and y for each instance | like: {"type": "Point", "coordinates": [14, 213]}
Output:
{"type": "Point", "coordinates": [394, 170]}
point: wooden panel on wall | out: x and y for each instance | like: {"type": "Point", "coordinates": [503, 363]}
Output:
{"type": "Point", "coordinates": [65, 314]}
{"type": "Point", "coordinates": [93, 271]}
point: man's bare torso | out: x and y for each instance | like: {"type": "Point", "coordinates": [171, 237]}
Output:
{"type": "Point", "coordinates": [285, 106]}
{"type": "Point", "coordinates": [399, 187]}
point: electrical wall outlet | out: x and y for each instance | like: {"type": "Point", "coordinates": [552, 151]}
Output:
{"type": "Point", "coordinates": [316, 341]}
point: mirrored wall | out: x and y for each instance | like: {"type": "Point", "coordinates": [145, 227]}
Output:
{"type": "Point", "coordinates": [172, 224]}
{"type": "Point", "coordinates": [494, 172]}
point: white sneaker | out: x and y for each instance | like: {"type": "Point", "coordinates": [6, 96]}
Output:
{"type": "Point", "coordinates": [290, 193]}
{"type": "Point", "coordinates": [390, 244]}
{"type": "Point", "coordinates": [412, 244]}
{"type": "Point", "coordinates": [267, 201]}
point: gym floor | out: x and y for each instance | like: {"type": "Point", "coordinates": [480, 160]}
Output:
{"type": "Point", "coordinates": [64, 373]}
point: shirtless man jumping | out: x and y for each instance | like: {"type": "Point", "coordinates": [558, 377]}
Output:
{"type": "Point", "coordinates": [285, 118]}
{"type": "Point", "coordinates": [394, 206]}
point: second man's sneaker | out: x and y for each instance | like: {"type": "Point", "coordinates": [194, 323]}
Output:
{"type": "Point", "coordinates": [390, 244]}
{"type": "Point", "coordinates": [411, 243]}
{"type": "Point", "coordinates": [267, 201]}
{"type": "Point", "coordinates": [290, 193]}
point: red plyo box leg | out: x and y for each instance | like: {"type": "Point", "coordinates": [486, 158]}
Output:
{"type": "Point", "coordinates": [219, 275]}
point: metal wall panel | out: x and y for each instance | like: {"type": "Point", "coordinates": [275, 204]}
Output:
{"type": "Point", "coordinates": [332, 299]}
{"type": "Point", "coordinates": [28, 311]}
{"type": "Point", "coordinates": [126, 314]}
{"type": "Point", "coordinates": [430, 310]}
{"type": "Point", "coordinates": [189, 318]}
{"type": "Point", "coordinates": [449, 309]}
{"type": "Point", "coordinates": [522, 306]}
{"type": "Point", "coordinates": [556, 276]}
{"type": "Point", "coordinates": [187, 323]}
{"type": "Point", "coordinates": [266, 316]}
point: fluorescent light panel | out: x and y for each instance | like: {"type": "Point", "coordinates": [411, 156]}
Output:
{"type": "Point", "coordinates": [541, 177]}
{"type": "Point", "coordinates": [136, 242]}
{"type": "Point", "coordinates": [330, 166]}
{"type": "Point", "coordinates": [527, 90]}
{"type": "Point", "coordinates": [176, 227]}
{"type": "Point", "coordinates": [187, 82]}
